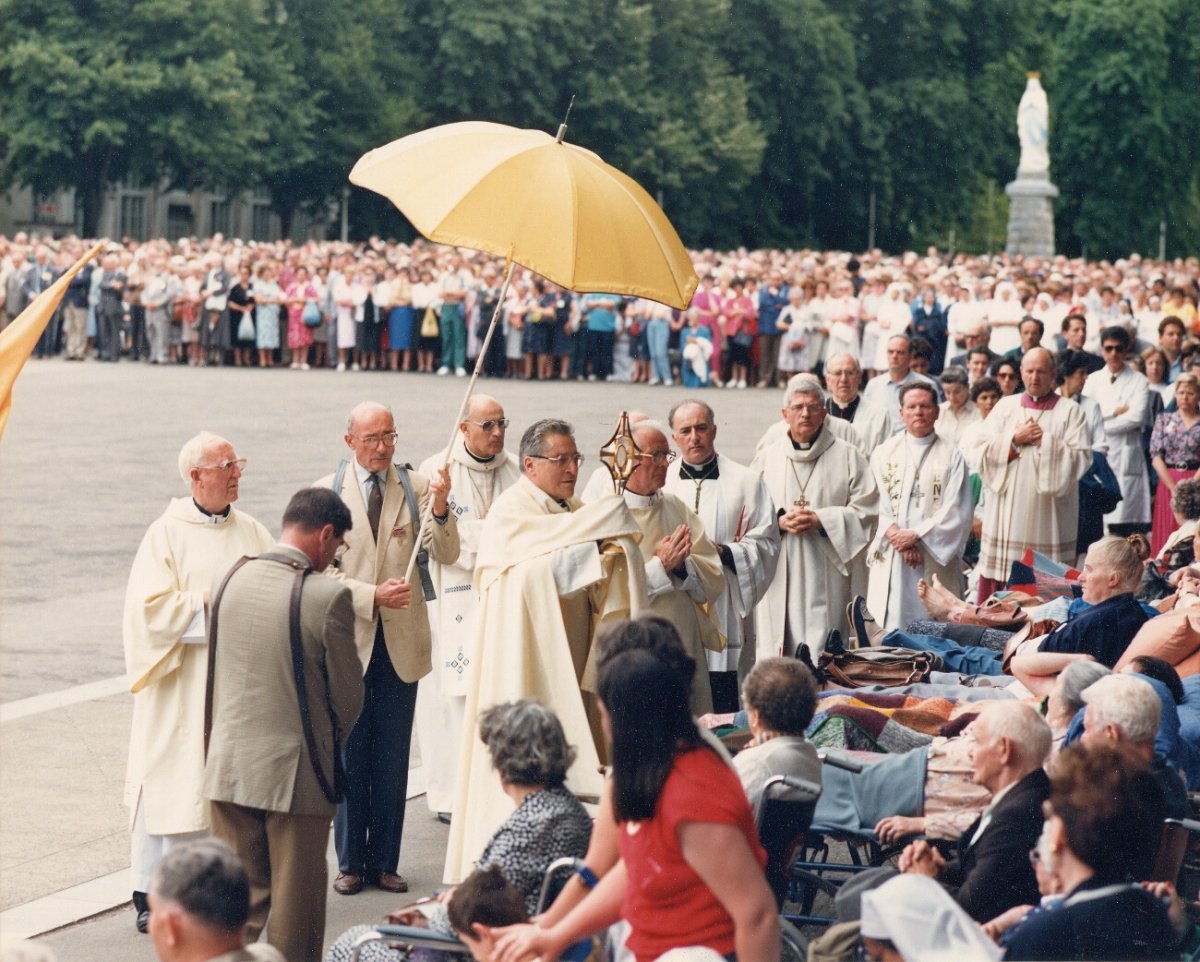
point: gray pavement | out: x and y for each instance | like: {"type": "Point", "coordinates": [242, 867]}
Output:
{"type": "Point", "coordinates": [87, 462]}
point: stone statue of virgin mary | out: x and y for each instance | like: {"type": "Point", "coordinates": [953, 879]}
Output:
{"type": "Point", "coordinates": [1033, 128]}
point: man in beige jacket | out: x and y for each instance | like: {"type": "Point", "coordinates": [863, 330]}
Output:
{"type": "Point", "coordinates": [272, 762]}
{"type": "Point", "coordinates": [391, 631]}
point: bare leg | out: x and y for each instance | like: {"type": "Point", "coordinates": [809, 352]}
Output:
{"type": "Point", "coordinates": [938, 601]}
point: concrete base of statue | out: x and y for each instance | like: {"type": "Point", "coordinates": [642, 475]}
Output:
{"type": "Point", "coordinates": [1031, 215]}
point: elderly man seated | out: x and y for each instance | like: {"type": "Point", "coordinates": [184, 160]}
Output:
{"type": "Point", "coordinates": [990, 871]}
{"type": "Point", "coordinates": [1111, 573]}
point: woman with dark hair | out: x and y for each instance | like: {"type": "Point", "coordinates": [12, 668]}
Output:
{"type": "Point", "coordinates": [691, 868]}
{"type": "Point", "coordinates": [1007, 373]}
{"type": "Point", "coordinates": [984, 394]}
{"type": "Point", "coordinates": [1103, 824]}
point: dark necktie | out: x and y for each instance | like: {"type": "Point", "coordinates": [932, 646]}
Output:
{"type": "Point", "coordinates": [375, 505]}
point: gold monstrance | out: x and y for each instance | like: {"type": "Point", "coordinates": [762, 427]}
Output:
{"type": "Point", "coordinates": [619, 453]}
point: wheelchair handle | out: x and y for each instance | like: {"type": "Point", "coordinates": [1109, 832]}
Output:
{"type": "Point", "coordinates": [839, 761]}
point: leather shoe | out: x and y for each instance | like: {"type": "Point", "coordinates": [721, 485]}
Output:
{"type": "Point", "coordinates": [143, 921]}
{"type": "Point", "coordinates": [391, 882]}
{"type": "Point", "coordinates": [346, 884]}
{"type": "Point", "coordinates": [863, 627]}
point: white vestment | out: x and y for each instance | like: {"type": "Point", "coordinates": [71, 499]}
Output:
{"type": "Point", "coordinates": [1032, 499]}
{"type": "Point", "coordinates": [1131, 390]}
{"type": "Point", "coordinates": [869, 429]}
{"type": "Point", "coordinates": [474, 485]}
{"type": "Point", "coordinates": [166, 657]}
{"type": "Point", "coordinates": [923, 487]}
{"type": "Point", "coordinates": [812, 585]}
{"type": "Point", "coordinates": [549, 576]}
{"type": "Point", "coordinates": [957, 427]}
{"type": "Point", "coordinates": [685, 602]}
{"type": "Point", "coordinates": [737, 512]}
{"type": "Point", "coordinates": [883, 392]}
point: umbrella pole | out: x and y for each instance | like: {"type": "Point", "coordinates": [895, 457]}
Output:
{"type": "Point", "coordinates": [427, 513]}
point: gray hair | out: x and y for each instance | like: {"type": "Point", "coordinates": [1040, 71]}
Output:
{"type": "Point", "coordinates": [1075, 679]}
{"type": "Point", "coordinates": [802, 384]}
{"type": "Point", "coordinates": [533, 441]}
{"type": "Point", "coordinates": [1120, 555]}
{"type": "Point", "coordinates": [955, 374]}
{"type": "Point", "coordinates": [849, 357]}
{"type": "Point", "coordinates": [691, 402]}
{"type": "Point", "coordinates": [1126, 702]}
{"type": "Point", "coordinates": [527, 743]}
{"type": "Point", "coordinates": [1025, 729]}
{"type": "Point", "coordinates": [191, 455]}
{"type": "Point", "coordinates": [207, 881]}
{"type": "Point", "coordinates": [362, 408]}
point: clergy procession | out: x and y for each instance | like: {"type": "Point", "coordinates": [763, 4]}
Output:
{"type": "Point", "coordinates": [915, 599]}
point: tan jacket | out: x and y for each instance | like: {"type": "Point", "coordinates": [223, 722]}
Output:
{"type": "Point", "coordinates": [367, 564]}
{"type": "Point", "coordinates": [257, 756]}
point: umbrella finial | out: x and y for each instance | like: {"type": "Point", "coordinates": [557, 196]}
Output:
{"type": "Point", "coordinates": [562, 128]}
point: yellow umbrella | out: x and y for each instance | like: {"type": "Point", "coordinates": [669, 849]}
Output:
{"type": "Point", "coordinates": [534, 200]}
{"type": "Point", "coordinates": [523, 195]}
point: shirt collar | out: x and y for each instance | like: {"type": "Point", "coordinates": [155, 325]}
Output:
{"type": "Point", "coordinates": [209, 517]}
{"type": "Point", "coordinates": [363, 474]}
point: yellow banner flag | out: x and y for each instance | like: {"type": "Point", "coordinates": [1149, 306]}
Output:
{"type": "Point", "coordinates": [18, 340]}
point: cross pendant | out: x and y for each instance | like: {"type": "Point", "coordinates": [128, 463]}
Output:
{"type": "Point", "coordinates": [801, 502]}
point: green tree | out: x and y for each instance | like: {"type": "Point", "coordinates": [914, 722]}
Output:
{"type": "Point", "coordinates": [1123, 98]}
{"type": "Point", "coordinates": [193, 91]}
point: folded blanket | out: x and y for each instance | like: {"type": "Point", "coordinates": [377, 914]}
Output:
{"type": "Point", "coordinates": [893, 785]}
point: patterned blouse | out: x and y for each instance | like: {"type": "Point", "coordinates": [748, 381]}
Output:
{"type": "Point", "coordinates": [1173, 441]}
{"type": "Point", "coordinates": [547, 825]}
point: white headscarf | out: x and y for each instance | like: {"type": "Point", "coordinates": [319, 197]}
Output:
{"type": "Point", "coordinates": [925, 924]}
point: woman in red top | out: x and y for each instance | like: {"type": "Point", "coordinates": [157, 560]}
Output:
{"type": "Point", "coordinates": [691, 868]}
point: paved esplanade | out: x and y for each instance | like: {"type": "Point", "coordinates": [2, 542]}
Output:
{"type": "Point", "coordinates": [87, 462]}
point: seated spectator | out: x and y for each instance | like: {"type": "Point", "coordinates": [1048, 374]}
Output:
{"type": "Point", "coordinates": [530, 753]}
{"type": "Point", "coordinates": [199, 904]}
{"type": "Point", "coordinates": [1125, 709]}
{"type": "Point", "coordinates": [1104, 820]}
{"type": "Point", "coordinates": [990, 871]}
{"type": "Point", "coordinates": [484, 900]}
{"type": "Point", "coordinates": [780, 695]}
{"type": "Point", "coordinates": [1111, 573]}
{"type": "Point", "coordinates": [1065, 700]}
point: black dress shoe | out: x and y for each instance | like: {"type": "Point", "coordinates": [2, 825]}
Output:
{"type": "Point", "coordinates": [858, 624]}
{"type": "Point", "coordinates": [143, 921]}
{"type": "Point", "coordinates": [443, 817]}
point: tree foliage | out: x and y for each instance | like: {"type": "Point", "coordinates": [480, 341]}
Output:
{"type": "Point", "coordinates": [754, 121]}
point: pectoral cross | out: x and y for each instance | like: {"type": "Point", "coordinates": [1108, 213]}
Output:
{"type": "Point", "coordinates": [917, 493]}
{"type": "Point", "coordinates": [801, 502]}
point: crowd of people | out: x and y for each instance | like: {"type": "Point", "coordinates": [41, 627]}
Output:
{"type": "Point", "coordinates": [937, 424]}
{"type": "Point", "coordinates": [757, 317]}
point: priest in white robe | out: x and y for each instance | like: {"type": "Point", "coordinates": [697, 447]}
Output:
{"type": "Point", "coordinates": [683, 569]}
{"type": "Point", "coordinates": [827, 505]}
{"type": "Point", "coordinates": [480, 470]}
{"type": "Point", "coordinates": [925, 513]}
{"type": "Point", "coordinates": [1034, 448]}
{"type": "Point", "coordinates": [165, 632]}
{"type": "Point", "coordinates": [739, 518]}
{"type": "Point", "coordinates": [550, 572]}
{"type": "Point", "coordinates": [1123, 394]}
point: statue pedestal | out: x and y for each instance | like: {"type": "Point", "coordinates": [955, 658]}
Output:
{"type": "Point", "coordinates": [1031, 215]}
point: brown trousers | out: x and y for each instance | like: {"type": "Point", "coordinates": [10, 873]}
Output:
{"type": "Point", "coordinates": [284, 856]}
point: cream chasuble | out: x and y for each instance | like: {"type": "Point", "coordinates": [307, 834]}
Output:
{"type": "Point", "coordinates": [923, 487]}
{"type": "Point", "coordinates": [812, 585]}
{"type": "Point", "coordinates": [474, 485]}
{"type": "Point", "coordinates": [1032, 500]}
{"type": "Point", "coordinates": [736, 511]}
{"type": "Point", "coordinates": [166, 657]}
{"type": "Point", "coordinates": [687, 603]}
{"type": "Point", "coordinates": [545, 587]}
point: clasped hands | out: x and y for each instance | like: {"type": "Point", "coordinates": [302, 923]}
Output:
{"type": "Point", "coordinates": [674, 549]}
{"type": "Point", "coordinates": [1028, 433]}
{"type": "Point", "coordinates": [799, 521]}
{"type": "Point", "coordinates": [906, 543]}
{"type": "Point", "coordinates": [921, 858]}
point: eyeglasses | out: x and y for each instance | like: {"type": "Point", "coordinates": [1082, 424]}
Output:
{"type": "Point", "coordinates": [372, 440]}
{"type": "Point", "coordinates": [658, 457]}
{"type": "Point", "coordinates": [1109, 348]}
{"type": "Point", "coordinates": [341, 551]}
{"type": "Point", "coordinates": [806, 408]}
{"type": "Point", "coordinates": [561, 461]}
{"type": "Point", "coordinates": [491, 424]}
{"type": "Point", "coordinates": [223, 466]}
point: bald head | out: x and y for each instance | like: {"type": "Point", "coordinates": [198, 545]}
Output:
{"type": "Point", "coordinates": [1037, 372]}
{"type": "Point", "coordinates": [650, 474]}
{"type": "Point", "coordinates": [483, 427]}
{"type": "Point", "coordinates": [367, 410]}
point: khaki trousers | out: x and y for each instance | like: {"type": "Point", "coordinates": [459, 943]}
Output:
{"type": "Point", "coordinates": [284, 856]}
{"type": "Point", "coordinates": [76, 331]}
